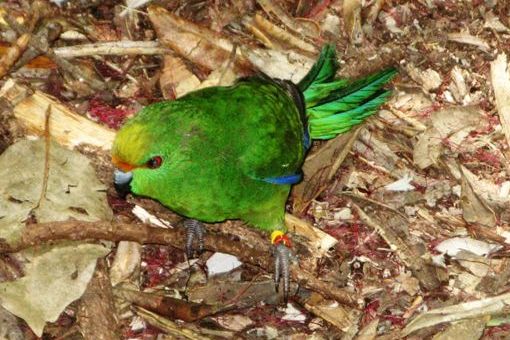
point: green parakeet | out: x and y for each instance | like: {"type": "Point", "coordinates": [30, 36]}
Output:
{"type": "Point", "coordinates": [234, 152]}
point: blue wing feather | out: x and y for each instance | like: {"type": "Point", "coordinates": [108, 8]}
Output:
{"type": "Point", "coordinates": [287, 179]}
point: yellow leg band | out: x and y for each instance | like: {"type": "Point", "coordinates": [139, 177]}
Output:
{"type": "Point", "coordinates": [276, 234]}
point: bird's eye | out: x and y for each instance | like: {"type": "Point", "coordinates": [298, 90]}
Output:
{"type": "Point", "coordinates": [155, 162]}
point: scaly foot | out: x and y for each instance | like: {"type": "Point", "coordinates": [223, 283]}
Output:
{"type": "Point", "coordinates": [282, 262]}
{"type": "Point", "coordinates": [194, 231]}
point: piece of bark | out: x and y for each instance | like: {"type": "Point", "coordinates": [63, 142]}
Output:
{"type": "Point", "coordinates": [67, 128]}
{"type": "Point", "coordinates": [319, 241]}
{"type": "Point", "coordinates": [170, 307]}
{"type": "Point", "coordinates": [96, 313]}
{"type": "Point", "coordinates": [339, 316]}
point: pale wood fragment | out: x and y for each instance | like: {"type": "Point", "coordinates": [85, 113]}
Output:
{"type": "Point", "coordinates": [67, 127]}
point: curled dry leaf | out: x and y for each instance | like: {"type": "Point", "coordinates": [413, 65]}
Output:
{"type": "Point", "coordinates": [458, 85]}
{"type": "Point", "coordinates": [236, 322]}
{"type": "Point", "coordinates": [493, 22]}
{"type": "Point", "coordinates": [468, 39]}
{"type": "Point", "coordinates": [474, 207]}
{"type": "Point", "coordinates": [352, 20]}
{"type": "Point", "coordinates": [338, 315]}
{"type": "Point", "coordinates": [495, 196]}
{"type": "Point", "coordinates": [455, 245]}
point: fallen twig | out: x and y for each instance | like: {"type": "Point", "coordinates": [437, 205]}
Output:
{"type": "Point", "coordinates": [42, 233]}
{"type": "Point", "coordinates": [96, 312]}
{"type": "Point", "coordinates": [122, 48]}
{"type": "Point", "coordinates": [168, 326]}
{"type": "Point", "coordinates": [170, 307]}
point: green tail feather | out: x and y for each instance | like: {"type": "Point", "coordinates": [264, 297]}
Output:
{"type": "Point", "coordinates": [334, 106]}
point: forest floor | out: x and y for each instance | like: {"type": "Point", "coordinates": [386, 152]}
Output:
{"type": "Point", "coordinates": [401, 226]}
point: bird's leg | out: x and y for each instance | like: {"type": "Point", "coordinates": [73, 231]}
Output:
{"type": "Point", "coordinates": [282, 246]}
{"type": "Point", "coordinates": [194, 231]}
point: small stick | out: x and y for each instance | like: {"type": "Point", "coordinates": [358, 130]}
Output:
{"type": "Point", "coordinates": [112, 48]}
{"type": "Point", "coordinates": [47, 143]}
{"type": "Point", "coordinates": [41, 233]}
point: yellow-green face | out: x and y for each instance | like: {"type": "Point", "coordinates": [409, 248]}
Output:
{"type": "Point", "coordinates": [129, 150]}
{"type": "Point", "coordinates": [135, 153]}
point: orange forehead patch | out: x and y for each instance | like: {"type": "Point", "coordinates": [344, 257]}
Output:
{"type": "Point", "coordinates": [120, 164]}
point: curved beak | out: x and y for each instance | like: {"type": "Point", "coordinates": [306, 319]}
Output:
{"type": "Point", "coordinates": [122, 182]}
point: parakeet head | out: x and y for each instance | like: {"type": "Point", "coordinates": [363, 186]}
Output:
{"type": "Point", "coordinates": [141, 154]}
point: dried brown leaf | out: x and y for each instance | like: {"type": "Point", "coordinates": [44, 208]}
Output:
{"type": "Point", "coordinates": [280, 37]}
{"type": "Point", "coordinates": [462, 311]}
{"type": "Point", "coordinates": [468, 39]}
{"type": "Point", "coordinates": [196, 43]}
{"type": "Point", "coordinates": [306, 28]}
{"type": "Point", "coordinates": [429, 79]}
{"type": "Point", "coordinates": [352, 20]}
{"type": "Point", "coordinates": [176, 79]}
{"type": "Point", "coordinates": [319, 169]}
{"type": "Point", "coordinates": [452, 124]}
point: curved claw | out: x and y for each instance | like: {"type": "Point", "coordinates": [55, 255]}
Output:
{"type": "Point", "coordinates": [282, 269]}
{"type": "Point", "coordinates": [194, 230]}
